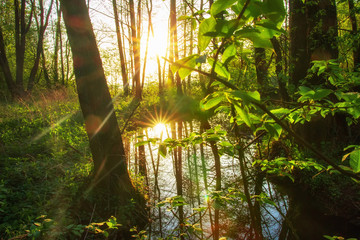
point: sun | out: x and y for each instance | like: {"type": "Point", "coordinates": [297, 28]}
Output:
{"type": "Point", "coordinates": [159, 129]}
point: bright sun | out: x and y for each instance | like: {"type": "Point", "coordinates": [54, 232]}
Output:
{"type": "Point", "coordinates": [159, 129]}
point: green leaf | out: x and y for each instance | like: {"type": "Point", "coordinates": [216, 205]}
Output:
{"type": "Point", "coordinates": [251, 12]}
{"type": "Point", "coordinates": [220, 5]}
{"type": "Point", "coordinates": [184, 17]}
{"type": "Point", "coordinates": [226, 144]}
{"type": "Point", "coordinates": [273, 129]}
{"type": "Point", "coordinates": [321, 93]}
{"type": "Point", "coordinates": [247, 97]}
{"type": "Point", "coordinates": [110, 224]}
{"type": "Point", "coordinates": [162, 150]}
{"type": "Point", "coordinates": [219, 68]}
{"type": "Point", "coordinates": [212, 102]}
{"type": "Point", "coordinates": [260, 36]}
{"type": "Point", "coordinates": [141, 143]}
{"type": "Point", "coordinates": [274, 10]}
{"type": "Point", "coordinates": [230, 51]}
{"type": "Point", "coordinates": [307, 93]}
{"type": "Point", "coordinates": [243, 115]}
{"type": "Point", "coordinates": [355, 160]}
{"type": "Point", "coordinates": [207, 25]}
{"type": "Point", "coordinates": [190, 61]}
{"type": "Point", "coordinates": [267, 24]}
{"type": "Point", "coordinates": [225, 27]}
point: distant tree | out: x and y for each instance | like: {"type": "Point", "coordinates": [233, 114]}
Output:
{"type": "Point", "coordinates": [21, 78]}
{"type": "Point", "coordinates": [41, 25]}
{"type": "Point", "coordinates": [121, 49]}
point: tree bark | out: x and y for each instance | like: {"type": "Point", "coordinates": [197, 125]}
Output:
{"type": "Point", "coordinates": [261, 67]}
{"type": "Point", "coordinates": [21, 29]}
{"type": "Point", "coordinates": [322, 29]}
{"type": "Point", "coordinates": [4, 63]}
{"type": "Point", "coordinates": [135, 48]}
{"type": "Point", "coordinates": [278, 69]}
{"type": "Point", "coordinates": [299, 58]}
{"type": "Point", "coordinates": [39, 48]}
{"type": "Point", "coordinates": [121, 50]}
{"type": "Point", "coordinates": [56, 47]}
{"type": "Point", "coordinates": [110, 169]}
{"type": "Point", "coordinates": [354, 32]}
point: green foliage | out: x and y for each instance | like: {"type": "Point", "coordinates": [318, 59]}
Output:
{"type": "Point", "coordinates": [285, 167]}
{"type": "Point", "coordinates": [44, 159]}
{"type": "Point", "coordinates": [354, 157]}
{"type": "Point", "coordinates": [104, 228]}
{"type": "Point", "coordinates": [45, 228]}
{"type": "Point", "coordinates": [191, 62]}
{"type": "Point", "coordinates": [220, 5]}
{"type": "Point", "coordinates": [206, 26]}
{"type": "Point", "coordinates": [338, 238]}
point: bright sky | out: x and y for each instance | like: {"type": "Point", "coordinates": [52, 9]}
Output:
{"type": "Point", "coordinates": [101, 14]}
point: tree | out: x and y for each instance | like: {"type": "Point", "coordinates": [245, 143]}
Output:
{"type": "Point", "coordinates": [354, 32]}
{"type": "Point", "coordinates": [110, 167]}
{"type": "Point", "coordinates": [299, 57]}
{"type": "Point", "coordinates": [135, 40]}
{"type": "Point", "coordinates": [44, 20]}
{"type": "Point", "coordinates": [121, 50]}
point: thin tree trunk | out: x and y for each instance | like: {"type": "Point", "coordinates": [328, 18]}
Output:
{"type": "Point", "coordinates": [121, 50]}
{"type": "Point", "coordinates": [204, 171]}
{"type": "Point", "coordinates": [354, 31]}
{"type": "Point", "coordinates": [67, 55]}
{"type": "Point", "coordinates": [149, 10]}
{"type": "Point", "coordinates": [135, 36]}
{"type": "Point", "coordinates": [215, 151]}
{"type": "Point", "coordinates": [261, 67]}
{"type": "Point", "coordinates": [142, 161]}
{"type": "Point", "coordinates": [4, 63]}
{"type": "Point", "coordinates": [255, 224]}
{"type": "Point", "coordinates": [46, 73]}
{"type": "Point", "coordinates": [21, 29]}
{"type": "Point", "coordinates": [39, 49]}
{"type": "Point", "coordinates": [278, 69]}
{"type": "Point", "coordinates": [197, 181]}
{"type": "Point", "coordinates": [56, 48]}
{"type": "Point", "coordinates": [61, 58]}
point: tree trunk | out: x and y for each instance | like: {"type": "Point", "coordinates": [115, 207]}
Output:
{"type": "Point", "coordinates": [56, 48]}
{"type": "Point", "coordinates": [121, 50]}
{"type": "Point", "coordinates": [39, 49]}
{"type": "Point", "coordinates": [135, 48]}
{"type": "Point", "coordinates": [261, 68]}
{"type": "Point", "coordinates": [354, 32]}
{"type": "Point", "coordinates": [46, 73]}
{"type": "Point", "coordinates": [142, 159]}
{"type": "Point", "coordinates": [299, 58]}
{"type": "Point", "coordinates": [4, 63]}
{"type": "Point", "coordinates": [110, 170]}
{"type": "Point", "coordinates": [205, 125]}
{"type": "Point", "coordinates": [322, 29]}
{"type": "Point", "coordinates": [278, 69]}
{"type": "Point", "coordinates": [21, 29]}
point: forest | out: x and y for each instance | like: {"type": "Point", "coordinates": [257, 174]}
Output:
{"type": "Point", "coordinates": [180, 119]}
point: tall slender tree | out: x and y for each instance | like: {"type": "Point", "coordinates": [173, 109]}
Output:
{"type": "Point", "coordinates": [44, 20]}
{"type": "Point", "coordinates": [121, 49]}
{"type": "Point", "coordinates": [354, 32]}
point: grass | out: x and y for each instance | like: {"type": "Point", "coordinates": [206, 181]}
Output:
{"type": "Point", "coordinates": [44, 158]}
